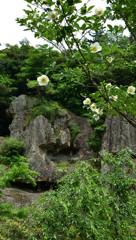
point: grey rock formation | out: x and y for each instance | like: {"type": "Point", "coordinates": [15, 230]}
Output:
{"type": "Point", "coordinates": [118, 135]}
{"type": "Point", "coordinates": [18, 197]}
{"type": "Point", "coordinates": [2, 141]}
{"type": "Point", "coordinates": [48, 142]}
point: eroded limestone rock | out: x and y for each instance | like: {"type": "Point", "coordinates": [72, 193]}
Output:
{"type": "Point", "coordinates": [2, 141]}
{"type": "Point", "coordinates": [118, 135]}
{"type": "Point", "coordinates": [18, 197]}
{"type": "Point", "coordinates": [48, 141]}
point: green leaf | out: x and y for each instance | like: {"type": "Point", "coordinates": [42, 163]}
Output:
{"type": "Point", "coordinates": [90, 8]}
{"type": "Point", "coordinates": [76, 25]}
{"type": "Point", "coordinates": [83, 27]}
{"type": "Point", "coordinates": [53, 64]}
{"type": "Point", "coordinates": [114, 47]}
{"type": "Point", "coordinates": [36, 34]}
{"type": "Point", "coordinates": [120, 50]}
{"type": "Point", "coordinates": [110, 27]}
{"type": "Point", "coordinates": [29, 1]}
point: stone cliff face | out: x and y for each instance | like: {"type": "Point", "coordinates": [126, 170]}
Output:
{"type": "Point", "coordinates": [118, 135]}
{"type": "Point", "coordinates": [48, 143]}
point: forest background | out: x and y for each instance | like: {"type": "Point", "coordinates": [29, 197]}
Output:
{"type": "Point", "coordinates": [69, 85]}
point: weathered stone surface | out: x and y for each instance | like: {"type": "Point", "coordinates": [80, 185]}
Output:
{"type": "Point", "coordinates": [118, 135]}
{"type": "Point", "coordinates": [47, 144]}
{"type": "Point", "coordinates": [18, 197]}
{"type": "Point", "coordinates": [2, 141]}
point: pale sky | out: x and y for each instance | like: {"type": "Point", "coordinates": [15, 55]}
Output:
{"type": "Point", "coordinates": [11, 32]}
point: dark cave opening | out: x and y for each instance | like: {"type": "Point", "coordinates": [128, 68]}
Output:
{"type": "Point", "coordinates": [4, 123]}
{"type": "Point", "coordinates": [40, 187]}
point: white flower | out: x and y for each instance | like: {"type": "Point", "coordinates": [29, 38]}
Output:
{"type": "Point", "coordinates": [117, 87]}
{"type": "Point", "coordinates": [93, 107]}
{"type": "Point", "coordinates": [96, 47]}
{"type": "Point", "coordinates": [87, 101]}
{"type": "Point", "coordinates": [96, 117]}
{"type": "Point", "coordinates": [99, 111]}
{"type": "Point", "coordinates": [131, 90]}
{"type": "Point", "coordinates": [135, 61]}
{"type": "Point", "coordinates": [120, 27]}
{"type": "Point", "coordinates": [108, 85]}
{"type": "Point", "coordinates": [114, 97]}
{"type": "Point", "coordinates": [36, 15]}
{"type": "Point", "coordinates": [23, 17]}
{"type": "Point", "coordinates": [43, 80]}
{"type": "Point", "coordinates": [109, 59]}
{"type": "Point", "coordinates": [99, 11]}
{"type": "Point", "coordinates": [52, 15]}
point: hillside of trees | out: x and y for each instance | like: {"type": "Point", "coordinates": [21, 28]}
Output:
{"type": "Point", "coordinates": [96, 67]}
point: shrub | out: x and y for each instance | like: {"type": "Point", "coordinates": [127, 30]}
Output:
{"type": "Point", "coordinates": [90, 205]}
{"type": "Point", "coordinates": [14, 229]}
{"type": "Point", "coordinates": [15, 159]}
{"type": "Point", "coordinates": [49, 109]}
{"type": "Point", "coordinates": [12, 147]}
{"type": "Point", "coordinates": [99, 128]}
{"type": "Point", "coordinates": [74, 129]}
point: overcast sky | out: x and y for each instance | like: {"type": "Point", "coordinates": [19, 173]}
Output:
{"type": "Point", "coordinates": [10, 31]}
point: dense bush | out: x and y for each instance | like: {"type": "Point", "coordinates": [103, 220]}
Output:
{"type": "Point", "coordinates": [9, 161]}
{"type": "Point", "coordinates": [14, 229]}
{"type": "Point", "coordinates": [74, 129]}
{"type": "Point", "coordinates": [12, 147]}
{"type": "Point", "coordinates": [49, 109]}
{"type": "Point", "coordinates": [90, 205]}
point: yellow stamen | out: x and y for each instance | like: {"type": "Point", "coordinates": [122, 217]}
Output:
{"type": "Point", "coordinates": [99, 12]}
{"type": "Point", "coordinates": [130, 90]}
{"type": "Point", "coordinates": [43, 79]}
{"type": "Point", "coordinates": [95, 49]}
{"type": "Point", "coordinates": [93, 106]}
{"type": "Point", "coordinates": [53, 15]}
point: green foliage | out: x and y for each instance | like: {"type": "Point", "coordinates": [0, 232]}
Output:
{"type": "Point", "coordinates": [46, 91]}
{"type": "Point", "coordinates": [92, 66]}
{"type": "Point", "coordinates": [19, 170]}
{"type": "Point", "coordinates": [8, 91]}
{"type": "Point", "coordinates": [4, 95]}
{"type": "Point", "coordinates": [120, 180]}
{"type": "Point", "coordinates": [123, 105]}
{"type": "Point", "coordinates": [12, 147]}
{"type": "Point", "coordinates": [10, 211]}
{"type": "Point", "coordinates": [74, 129]}
{"type": "Point", "coordinates": [14, 57]}
{"type": "Point", "coordinates": [13, 159]}
{"type": "Point", "coordinates": [95, 143]}
{"type": "Point", "coordinates": [70, 82]}
{"type": "Point", "coordinates": [98, 128]}
{"type": "Point", "coordinates": [49, 109]}
{"type": "Point", "coordinates": [10, 83]}
{"type": "Point", "coordinates": [16, 170]}
{"type": "Point", "coordinates": [18, 167]}
{"type": "Point", "coordinates": [56, 135]}
{"type": "Point", "coordinates": [15, 228]}
{"type": "Point", "coordinates": [90, 205]}
{"type": "Point", "coordinates": [41, 59]}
